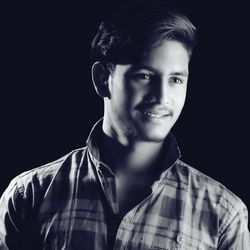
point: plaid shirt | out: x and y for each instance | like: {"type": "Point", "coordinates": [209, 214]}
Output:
{"type": "Point", "coordinates": [71, 204]}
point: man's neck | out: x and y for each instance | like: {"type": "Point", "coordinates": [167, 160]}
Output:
{"type": "Point", "coordinates": [135, 165]}
{"type": "Point", "coordinates": [135, 156]}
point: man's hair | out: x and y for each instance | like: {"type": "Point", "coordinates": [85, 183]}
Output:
{"type": "Point", "coordinates": [130, 30]}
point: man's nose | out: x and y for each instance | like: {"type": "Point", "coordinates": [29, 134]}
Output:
{"type": "Point", "coordinates": [162, 92]}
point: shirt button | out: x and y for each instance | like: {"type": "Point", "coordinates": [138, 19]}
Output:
{"type": "Point", "coordinates": [179, 239]}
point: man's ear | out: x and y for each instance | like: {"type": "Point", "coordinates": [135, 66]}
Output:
{"type": "Point", "coordinates": [100, 77]}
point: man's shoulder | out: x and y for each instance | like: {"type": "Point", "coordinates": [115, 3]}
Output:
{"type": "Point", "coordinates": [202, 184]}
{"type": "Point", "coordinates": [42, 176]}
{"type": "Point", "coordinates": [199, 179]}
{"type": "Point", "coordinates": [220, 205]}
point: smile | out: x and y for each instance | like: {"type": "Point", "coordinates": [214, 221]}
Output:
{"type": "Point", "coordinates": [155, 115]}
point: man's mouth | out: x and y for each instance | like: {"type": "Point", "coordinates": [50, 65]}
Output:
{"type": "Point", "coordinates": [154, 115]}
{"type": "Point", "coordinates": [154, 111]}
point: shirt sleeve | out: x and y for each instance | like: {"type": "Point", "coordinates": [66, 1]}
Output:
{"type": "Point", "coordinates": [12, 219]}
{"type": "Point", "coordinates": [234, 232]}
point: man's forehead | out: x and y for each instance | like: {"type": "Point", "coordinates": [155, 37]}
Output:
{"type": "Point", "coordinates": [142, 66]}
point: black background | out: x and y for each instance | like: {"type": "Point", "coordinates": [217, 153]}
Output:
{"type": "Point", "coordinates": [49, 105]}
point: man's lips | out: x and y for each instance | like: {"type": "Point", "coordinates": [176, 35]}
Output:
{"type": "Point", "coordinates": [154, 110]}
{"type": "Point", "coordinates": [154, 114]}
{"type": "Point", "coordinates": [157, 113]}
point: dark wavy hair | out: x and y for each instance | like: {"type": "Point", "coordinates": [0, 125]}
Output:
{"type": "Point", "coordinates": [132, 29]}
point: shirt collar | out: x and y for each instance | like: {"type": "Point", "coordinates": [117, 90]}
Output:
{"type": "Point", "coordinates": [171, 152]}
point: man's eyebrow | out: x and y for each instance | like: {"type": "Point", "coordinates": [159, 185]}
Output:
{"type": "Point", "coordinates": [146, 67]}
{"type": "Point", "coordinates": [141, 67]}
{"type": "Point", "coordinates": [180, 73]}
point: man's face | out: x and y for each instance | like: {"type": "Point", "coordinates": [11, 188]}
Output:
{"type": "Point", "coordinates": [146, 98]}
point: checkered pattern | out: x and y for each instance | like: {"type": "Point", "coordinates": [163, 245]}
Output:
{"type": "Point", "coordinates": [71, 204]}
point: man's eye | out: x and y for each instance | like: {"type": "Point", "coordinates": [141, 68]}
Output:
{"type": "Point", "coordinates": [142, 76]}
{"type": "Point", "coordinates": [177, 80]}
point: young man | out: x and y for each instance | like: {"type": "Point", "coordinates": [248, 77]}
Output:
{"type": "Point", "coordinates": [128, 189]}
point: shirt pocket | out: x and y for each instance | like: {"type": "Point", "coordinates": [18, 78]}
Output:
{"type": "Point", "coordinates": [181, 242]}
{"type": "Point", "coordinates": [169, 244]}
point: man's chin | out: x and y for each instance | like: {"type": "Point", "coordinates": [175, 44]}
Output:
{"type": "Point", "coordinates": [146, 131]}
{"type": "Point", "coordinates": [153, 136]}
